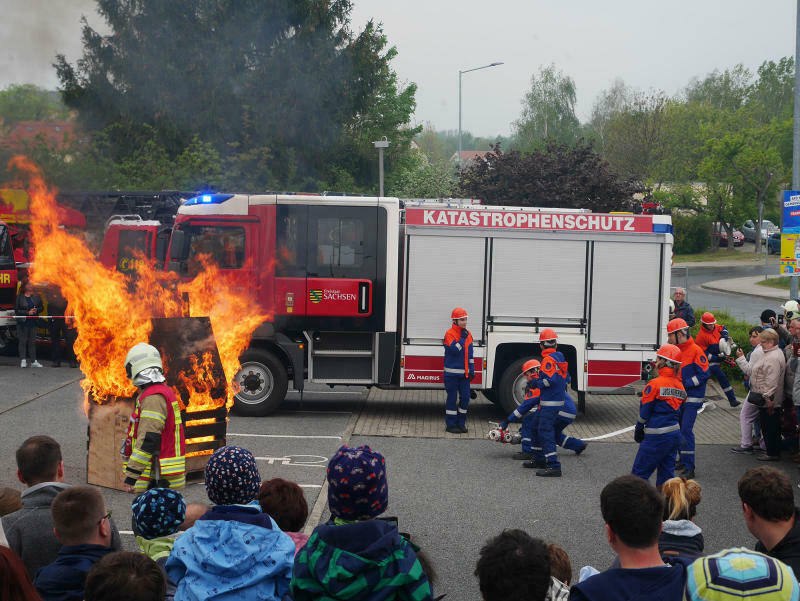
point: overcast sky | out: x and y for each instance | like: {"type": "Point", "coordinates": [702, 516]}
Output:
{"type": "Point", "coordinates": [648, 44]}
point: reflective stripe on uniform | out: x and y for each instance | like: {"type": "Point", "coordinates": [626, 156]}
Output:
{"type": "Point", "coordinates": [536, 448]}
{"type": "Point", "coordinates": [458, 346]}
{"type": "Point", "coordinates": [641, 420]}
{"type": "Point", "coordinates": [453, 370]}
{"type": "Point", "coordinates": [552, 403]}
{"type": "Point", "coordinates": [567, 415]}
{"type": "Point", "coordinates": [159, 417]}
{"type": "Point", "coordinates": [728, 389]}
{"type": "Point", "coordinates": [663, 430]}
{"type": "Point", "coordinates": [550, 454]}
{"type": "Point", "coordinates": [517, 413]}
{"type": "Point", "coordinates": [450, 412]}
{"type": "Point", "coordinates": [695, 381]}
{"type": "Point", "coordinates": [526, 439]}
{"type": "Point", "coordinates": [460, 410]}
{"type": "Point", "coordinates": [687, 452]}
{"type": "Point", "coordinates": [694, 401]}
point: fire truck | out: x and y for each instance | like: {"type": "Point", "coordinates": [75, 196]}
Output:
{"type": "Point", "coordinates": [360, 289]}
{"type": "Point", "coordinates": [8, 282]}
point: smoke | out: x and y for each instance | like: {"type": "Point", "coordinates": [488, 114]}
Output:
{"type": "Point", "coordinates": [34, 31]}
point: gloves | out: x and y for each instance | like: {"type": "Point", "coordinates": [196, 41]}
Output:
{"type": "Point", "coordinates": [638, 433]}
{"type": "Point", "coordinates": [503, 425]}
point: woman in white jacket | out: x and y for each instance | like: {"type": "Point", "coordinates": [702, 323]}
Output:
{"type": "Point", "coordinates": [749, 414]}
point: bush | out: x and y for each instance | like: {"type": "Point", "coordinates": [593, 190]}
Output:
{"type": "Point", "coordinates": [692, 233]}
{"type": "Point", "coordinates": [739, 332]}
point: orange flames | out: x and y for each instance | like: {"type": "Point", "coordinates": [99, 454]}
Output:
{"type": "Point", "coordinates": [112, 314]}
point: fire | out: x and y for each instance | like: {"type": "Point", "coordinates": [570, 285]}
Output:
{"type": "Point", "coordinates": [112, 314]}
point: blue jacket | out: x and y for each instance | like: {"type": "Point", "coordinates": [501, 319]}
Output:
{"type": "Point", "coordinates": [694, 369]}
{"type": "Point", "coordinates": [528, 404]}
{"type": "Point", "coordinates": [232, 553]}
{"type": "Point", "coordinates": [662, 400]}
{"type": "Point", "coordinates": [552, 380]}
{"type": "Point", "coordinates": [458, 351]}
{"type": "Point", "coordinates": [685, 312]}
{"type": "Point", "coordinates": [664, 583]}
{"type": "Point", "coordinates": [569, 410]}
{"type": "Point", "coordinates": [64, 579]}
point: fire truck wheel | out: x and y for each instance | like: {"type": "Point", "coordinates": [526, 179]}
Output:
{"type": "Point", "coordinates": [512, 385]}
{"type": "Point", "coordinates": [262, 382]}
{"type": "Point", "coordinates": [490, 394]}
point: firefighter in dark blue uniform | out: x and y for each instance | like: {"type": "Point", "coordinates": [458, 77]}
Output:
{"type": "Point", "coordinates": [708, 339]}
{"type": "Point", "coordinates": [527, 411]}
{"type": "Point", "coordinates": [658, 429]}
{"type": "Point", "coordinates": [552, 384]}
{"type": "Point", "coordinates": [459, 369]}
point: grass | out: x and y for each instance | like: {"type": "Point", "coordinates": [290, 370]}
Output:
{"type": "Point", "coordinates": [723, 254]}
{"type": "Point", "coordinates": [782, 282]}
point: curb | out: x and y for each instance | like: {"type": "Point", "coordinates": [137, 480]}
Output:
{"type": "Point", "coordinates": [740, 293]}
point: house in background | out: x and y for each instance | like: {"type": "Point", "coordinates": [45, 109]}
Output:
{"type": "Point", "coordinates": [467, 156]}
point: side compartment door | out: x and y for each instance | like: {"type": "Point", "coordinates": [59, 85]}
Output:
{"type": "Point", "coordinates": [291, 239]}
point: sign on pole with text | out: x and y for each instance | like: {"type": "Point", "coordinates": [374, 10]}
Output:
{"type": "Point", "coordinates": [790, 233]}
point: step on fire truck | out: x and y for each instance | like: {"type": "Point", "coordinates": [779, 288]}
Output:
{"type": "Point", "coordinates": [361, 289]}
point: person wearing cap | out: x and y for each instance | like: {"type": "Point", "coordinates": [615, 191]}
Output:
{"type": "Point", "coordinates": [552, 384]}
{"type": "Point", "coordinates": [157, 515]}
{"type": "Point", "coordinates": [694, 375]}
{"type": "Point", "coordinates": [658, 429]}
{"type": "Point", "coordinates": [708, 339]}
{"type": "Point", "coordinates": [234, 551]}
{"type": "Point", "coordinates": [526, 412]}
{"type": "Point", "coordinates": [459, 369]}
{"type": "Point", "coordinates": [682, 308]}
{"type": "Point", "coordinates": [769, 320]}
{"type": "Point", "coordinates": [155, 447]}
{"type": "Point", "coordinates": [738, 574]}
{"type": "Point", "coordinates": [355, 555]}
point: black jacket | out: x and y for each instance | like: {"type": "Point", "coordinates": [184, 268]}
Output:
{"type": "Point", "coordinates": [788, 549]}
{"type": "Point", "coordinates": [21, 307]}
{"type": "Point", "coordinates": [681, 538]}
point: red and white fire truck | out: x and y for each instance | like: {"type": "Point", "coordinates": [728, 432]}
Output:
{"type": "Point", "coordinates": [361, 289]}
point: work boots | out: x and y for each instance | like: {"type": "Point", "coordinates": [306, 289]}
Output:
{"type": "Point", "coordinates": [549, 472]}
{"type": "Point", "coordinates": [521, 456]}
{"type": "Point", "coordinates": [535, 464]}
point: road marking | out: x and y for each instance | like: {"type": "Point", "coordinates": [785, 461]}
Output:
{"type": "Point", "coordinates": [41, 394]}
{"type": "Point", "coordinates": [630, 428]}
{"type": "Point", "coordinates": [283, 436]}
{"type": "Point", "coordinates": [310, 461]}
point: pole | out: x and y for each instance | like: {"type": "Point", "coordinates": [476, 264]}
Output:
{"type": "Point", "coordinates": [459, 116]}
{"type": "Point", "coordinates": [380, 167]}
{"type": "Point", "coordinates": [796, 136]}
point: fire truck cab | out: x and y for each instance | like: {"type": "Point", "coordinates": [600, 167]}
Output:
{"type": "Point", "coordinates": [8, 282]}
{"type": "Point", "coordinates": [360, 289]}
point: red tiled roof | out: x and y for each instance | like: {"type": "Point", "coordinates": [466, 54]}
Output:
{"type": "Point", "coordinates": [25, 132]}
{"type": "Point", "coordinates": [469, 155]}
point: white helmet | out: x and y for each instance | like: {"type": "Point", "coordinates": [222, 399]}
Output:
{"type": "Point", "coordinates": [792, 309]}
{"type": "Point", "coordinates": [140, 357]}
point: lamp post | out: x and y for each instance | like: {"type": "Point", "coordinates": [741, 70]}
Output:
{"type": "Point", "coordinates": [380, 145]}
{"type": "Point", "coordinates": [459, 103]}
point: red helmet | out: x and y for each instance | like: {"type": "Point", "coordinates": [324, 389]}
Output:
{"type": "Point", "coordinates": [670, 352]}
{"type": "Point", "coordinates": [548, 334]}
{"type": "Point", "coordinates": [708, 319]}
{"type": "Point", "coordinates": [530, 364]}
{"type": "Point", "coordinates": [677, 324]}
{"type": "Point", "coordinates": [458, 313]}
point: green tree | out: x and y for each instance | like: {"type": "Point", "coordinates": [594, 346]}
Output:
{"type": "Point", "coordinates": [424, 178]}
{"type": "Point", "coordinates": [608, 104]}
{"type": "Point", "coordinates": [725, 91]}
{"type": "Point", "coordinates": [244, 76]}
{"type": "Point", "coordinates": [28, 102]}
{"type": "Point", "coordinates": [548, 111]}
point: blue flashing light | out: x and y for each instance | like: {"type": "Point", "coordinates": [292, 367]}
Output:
{"type": "Point", "coordinates": [663, 228]}
{"type": "Point", "coordinates": [204, 199]}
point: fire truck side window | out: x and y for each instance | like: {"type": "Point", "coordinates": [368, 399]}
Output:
{"type": "Point", "coordinates": [6, 256]}
{"type": "Point", "coordinates": [131, 243]}
{"type": "Point", "coordinates": [290, 241]}
{"type": "Point", "coordinates": [339, 242]}
{"type": "Point", "coordinates": [223, 245]}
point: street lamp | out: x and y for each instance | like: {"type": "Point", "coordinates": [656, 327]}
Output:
{"type": "Point", "coordinates": [459, 103]}
{"type": "Point", "coordinates": [381, 145]}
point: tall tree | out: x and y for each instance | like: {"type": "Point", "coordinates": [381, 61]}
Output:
{"type": "Point", "coordinates": [548, 111]}
{"type": "Point", "coordinates": [608, 104]}
{"type": "Point", "coordinates": [288, 80]}
{"type": "Point", "coordinates": [725, 91]}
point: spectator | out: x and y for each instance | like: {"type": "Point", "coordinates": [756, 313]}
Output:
{"type": "Point", "coordinates": [30, 529]}
{"type": "Point", "coordinates": [233, 551]}
{"type": "Point", "coordinates": [28, 306]}
{"type": "Point", "coordinates": [15, 584]}
{"type": "Point", "coordinates": [633, 509]}
{"type": "Point", "coordinates": [194, 511]}
{"type": "Point", "coordinates": [770, 514]}
{"type": "Point", "coordinates": [81, 523]}
{"type": "Point", "coordinates": [514, 567]}
{"type": "Point", "coordinates": [560, 565]}
{"type": "Point", "coordinates": [739, 574]}
{"type": "Point", "coordinates": [682, 308]}
{"type": "Point", "coordinates": [680, 536]}
{"type": "Point", "coordinates": [56, 308]}
{"type": "Point", "coordinates": [157, 515]}
{"type": "Point", "coordinates": [769, 321]}
{"type": "Point", "coordinates": [766, 391]}
{"type": "Point", "coordinates": [125, 576]}
{"type": "Point", "coordinates": [354, 555]}
{"type": "Point", "coordinates": [10, 501]}
{"type": "Point", "coordinates": [749, 415]}
{"type": "Point", "coordinates": [285, 502]}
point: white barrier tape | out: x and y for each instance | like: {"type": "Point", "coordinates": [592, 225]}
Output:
{"type": "Point", "coordinates": [282, 436]}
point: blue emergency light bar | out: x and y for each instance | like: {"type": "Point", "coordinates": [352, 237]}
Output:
{"type": "Point", "coordinates": [208, 199]}
{"type": "Point", "coordinates": [663, 228]}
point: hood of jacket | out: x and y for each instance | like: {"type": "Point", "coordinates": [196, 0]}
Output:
{"type": "Point", "coordinates": [63, 580]}
{"type": "Point", "coordinates": [680, 528]}
{"type": "Point", "coordinates": [359, 561]}
{"type": "Point", "coordinates": [232, 552]}
{"type": "Point", "coordinates": [42, 495]}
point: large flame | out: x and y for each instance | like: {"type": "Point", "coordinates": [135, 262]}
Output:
{"type": "Point", "coordinates": [112, 313]}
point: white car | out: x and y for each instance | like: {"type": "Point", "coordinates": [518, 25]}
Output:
{"type": "Point", "coordinates": [749, 230]}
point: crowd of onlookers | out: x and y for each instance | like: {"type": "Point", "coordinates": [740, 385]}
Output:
{"type": "Point", "coordinates": [59, 542]}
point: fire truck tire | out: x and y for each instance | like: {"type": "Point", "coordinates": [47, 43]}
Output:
{"type": "Point", "coordinates": [512, 385]}
{"type": "Point", "coordinates": [490, 394]}
{"type": "Point", "coordinates": [263, 382]}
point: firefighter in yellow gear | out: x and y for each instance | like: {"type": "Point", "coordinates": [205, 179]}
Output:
{"type": "Point", "coordinates": [155, 447]}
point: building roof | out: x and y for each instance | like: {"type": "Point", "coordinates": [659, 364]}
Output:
{"type": "Point", "coordinates": [53, 133]}
{"type": "Point", "coordinates": [469, 155]}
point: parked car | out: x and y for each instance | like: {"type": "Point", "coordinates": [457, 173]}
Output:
{"type": "Point", "coordinates": [774, 243]}
{"type": "Point", "coordinates": [749, 230]}
{"type": "Point", "coordinates": [738, 237]}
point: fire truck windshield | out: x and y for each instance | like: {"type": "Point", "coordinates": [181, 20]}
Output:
{"type": "Point", "coordinates": [221, 244]}
{"type": "Point", "coordinates": [6, 254]}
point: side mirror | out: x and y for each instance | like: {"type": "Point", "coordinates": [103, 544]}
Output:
{"type": "Point", "coordinates": [176, 249]}
{"type": "Point", "coordinates": [161, 248]}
